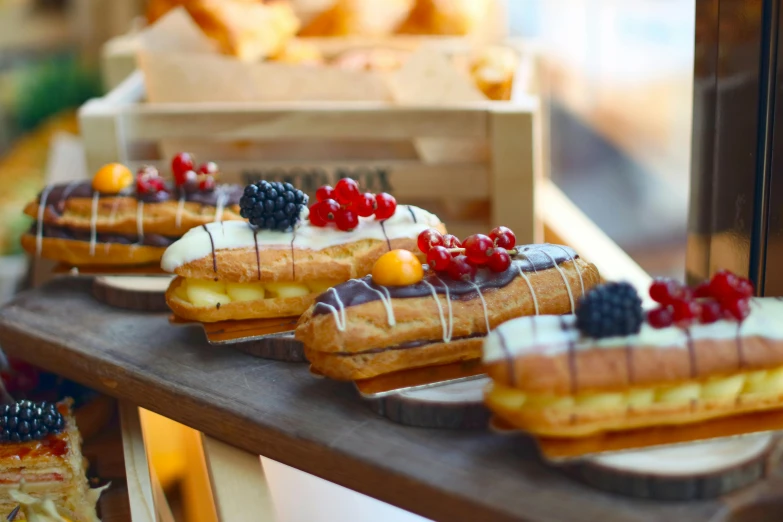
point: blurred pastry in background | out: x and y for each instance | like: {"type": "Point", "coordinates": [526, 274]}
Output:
{"type": "Point", "coordinates": [359, 17]}
{"type": "Point", "coordinates": [248, 29]}
{"type": "Point", "coordinates": [446, 17]}
{"type": "Point", "coordinates": [492, 70]}
{"type": "Point", "coordinates": [298, 52]}
{"type": "Point", "coordinates": [378, 59]}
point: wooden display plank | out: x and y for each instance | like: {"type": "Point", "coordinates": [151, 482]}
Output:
{"type": "Point", "coordinates": [316, 425]}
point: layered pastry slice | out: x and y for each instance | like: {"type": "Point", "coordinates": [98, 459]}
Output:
{"type": "Point", "coordinates": [119, 220]}
{"type": "Point", "coordinates": [406, 316]}
{"type": "Point", "coordinates": [702, 354]}
{"type": "Point", "coordinates": [40, 454]}
{"type": "Point", "coordinates": [278, 262]}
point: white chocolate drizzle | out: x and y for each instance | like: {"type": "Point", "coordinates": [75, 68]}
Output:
{"type": "Point", "coordinates": [339, 315]}
{"type": "Point", "coordinates": [40, 224]}
{"type": "Point", "coordinates": [451, 311]}
{"type": "Point", "coordinates": [446, 333]}
{"type": "Point", "coordinates": [576, 267]}
{"type": "Point", "coordinates": [386, 299]}
{"type": "Point", "coordinates": [220, 204]}
{"type": "Point", "coordinates": [565, 279]}
{"type": "Point", "coordinates": [94, 222]}
{"type": "Point", "coordinates": [140, 222]}
{"type": "Point", "coordinates": [530, 287]}
{"type": "Point", "coordinates": [483, 303]}
{"type": "Point", "coordinates": [180, 210]}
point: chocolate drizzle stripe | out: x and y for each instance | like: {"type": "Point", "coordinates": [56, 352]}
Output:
{"type": "Point", "coordinates": [258, 254]}
{"type": "Point", "coordinates": [405, 346]}
{"type": "Point", "coordinates": [212, 244]}
{"type": "Point", "coordinates": [509, 359]}
{"type": "Point", "coordinates": [355, 292]}
{"type": "Point", "coordinates": [691, 352]}
{"type": "Point", "coordinates": [572, 370]}
{"type": "Point", "coordinates": [413, 214]}
{"type": "Point", "coordinates": [383, 227]}
{"type": "Point", "coordinates": [629, 363]}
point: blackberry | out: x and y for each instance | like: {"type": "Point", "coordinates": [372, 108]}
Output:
{"type": "Point", "coordinates": [273, 206]}
{"type": "Point", "coordinates": [26, 420]}
{"type": "Point", "coordinates": [609, 310]}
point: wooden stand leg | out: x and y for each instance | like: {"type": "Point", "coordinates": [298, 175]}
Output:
{"type": "Point", "coordinates": [239, 488]}
{"type": "Point", "coordinates": [137, 470]}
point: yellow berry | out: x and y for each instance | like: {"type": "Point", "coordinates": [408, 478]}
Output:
{"type": "Point", "coordinates": [397, 268]}
{"type": "Point", "coordinates": [112, 178]}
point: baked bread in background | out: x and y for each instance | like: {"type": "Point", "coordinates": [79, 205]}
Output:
{"type": "Point", "coordinates": [248, 29]}
{"type": "Point", "coordinates": [446, 17]}
{"type": "Point", "coordinates": [360, 17]}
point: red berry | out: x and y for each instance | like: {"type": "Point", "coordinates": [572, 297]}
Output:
{"type": "Point", "coordinates": [324, 193]}
{"type": "Point", "coordinates": [428, 239]}
{"type": "Point", "coordinates": [737, 309]}
{"type": "Point", "coordinates": [724, 285]}
{"type": "Point", "coordinates": [702, 290]}
{"type": "Point", "coordinates": [386, 205]}
{"type": "Point", "coordinates": [439, 258]}
{"type": "Point", "coordinates": [660, 317]}
{"type": "Point", "coordinates": [209, 167]}
{"type": "Point", "coordinates": [685, 311]}
{"type": "Point", "coordinates": [745, 287]}
{"type": "Point", "coordinates": [315, 215]}
{"type": "Point", "coordinates": [346, 219]}
{"type": "Point", "coordinates": [665, 291]}
{"type": "Point", "coordinates": [206, 183]}
{"type": "Point", "coordinates": [327, 209]}
{"type": "Point", "coordinates": [180, 166]}
{"type": "Point", "coordinates": [364, 205]}
{"type": "Point", "coordinates": [460, 269]}
{"type": "Point", "coordinates": [499, 261]}
{"type": "Point", "coordinates": [503, 237]}
{"type": "Point", "coordinates": [710, 312]}
{"type": "Point", "coordinates": [346, 191]}
{"type": "Point", "coordinates": [450, 241]}
{"type": "Point", "coordinates": [478, 248]}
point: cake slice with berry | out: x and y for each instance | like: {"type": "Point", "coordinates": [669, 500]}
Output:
{"type": "Point", "coordinates": [406, 315]}
{"type": "Point", "coordinates": [703, 353]}
{"type": "Point", "coordinates": [40, 454]}
{"type": "Point", "coordinates": [119, 219]}
{"type": "Point", "coordinates": [276, 264]}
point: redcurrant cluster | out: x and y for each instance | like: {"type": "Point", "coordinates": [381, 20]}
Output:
{"type": "Point", "coordinates": [148, 180]}
{"type": "Point", "coordinates": [461, 259]}
{"type": "Point", "coordinates": [725, 296]}
{"type": "Point", "coordinates": [183, 165]}
{"type": "Point", "coordinates": [344, 204]}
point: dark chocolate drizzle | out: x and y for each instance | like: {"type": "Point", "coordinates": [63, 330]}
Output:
{"type": "Point", "coordinates": [691, 352]}
{"type": "Point", "coordinates": [383, 228]}
{"type": "Point", "coordinates": [413, 215]}
{"type": "Point", "coordinates": [59, 195]}
{"type": "Point", "coordinates": [356, 291]}
{"type": "Point", "coordinates": [293, 258]}
{"type": "Point", "coordinates": [629, 363]}
{"type": "Point", "coordinates": [258, 253]}
{"type": "Point", "coordinates": [572, 370]}
{"type": "Point", "coordinates": [154, 240]}
{"type": "Point", "coordinates": [212, 244]}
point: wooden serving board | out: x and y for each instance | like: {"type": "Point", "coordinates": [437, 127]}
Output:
{"type": "Point", "coordinates": [281, 411]}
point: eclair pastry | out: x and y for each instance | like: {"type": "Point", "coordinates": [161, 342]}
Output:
{"type": "Point", "coordinates": [235, 270]}
{"type": "Point", "coordinates": [110, 222]}
{"type": "Point", "coordinates": [362, 329]}
{"type": "Point", "coordinates": [552, 380]}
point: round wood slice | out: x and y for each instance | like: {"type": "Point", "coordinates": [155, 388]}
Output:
{"type": "Point", "coordinates": [449, 406]}
{"type": "Point", "coordinates": [685, 472]}
{"type": "Point", "coordinates": [133, 293]}
{"type": "Point", "coordinates": [284, 348]}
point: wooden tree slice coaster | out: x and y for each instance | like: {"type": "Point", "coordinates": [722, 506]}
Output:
{"type": "Point", "coordinates": [282, 348]}
{"type": "Point", "coordinates": [685, 472]}
{"type": "Point", "coordinates": [458, 405]}
{"type": "Point", "coordinates": [132, 292]}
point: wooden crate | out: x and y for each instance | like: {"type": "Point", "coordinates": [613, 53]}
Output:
{"type": "Point", "coordinates": [484, 175]}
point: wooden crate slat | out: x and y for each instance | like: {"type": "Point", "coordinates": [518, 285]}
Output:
{"type": "Point", "coordinates": [239, 488]}
{"type": "Point", "coordinates": [137, 469]}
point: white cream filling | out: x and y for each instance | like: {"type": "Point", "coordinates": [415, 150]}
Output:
{"type": "Point", "coordinates": [545, 335]}
{"type": "Point", "coordinates": [407, 222]}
